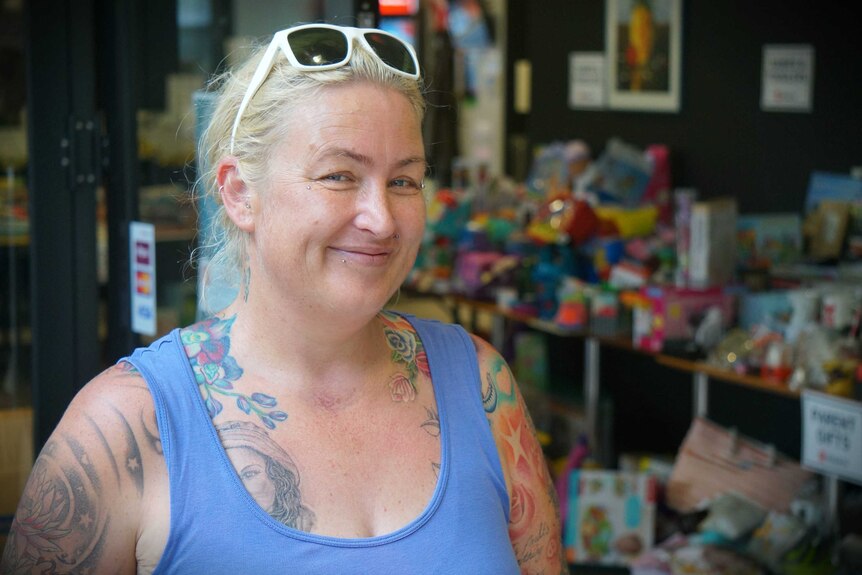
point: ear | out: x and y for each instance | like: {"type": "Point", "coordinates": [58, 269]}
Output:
{"type": "Point", "coordinates": [235, 194]}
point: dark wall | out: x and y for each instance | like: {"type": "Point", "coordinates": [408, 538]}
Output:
{"type": "Point", "coordinates": [720, 141]}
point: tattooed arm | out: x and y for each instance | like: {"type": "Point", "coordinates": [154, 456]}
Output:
{"type": "Point", "coordinates": [81, 509]}
{"type": "Point", "coordinates": [534, 522]}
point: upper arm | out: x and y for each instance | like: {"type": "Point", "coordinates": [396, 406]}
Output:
{"type": "Point", "coordinates": [534, 522]}
{"type": "Point", "coordinates": [80, 508]}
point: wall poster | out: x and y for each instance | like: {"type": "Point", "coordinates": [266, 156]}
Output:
{"type": "Point", "coordinates": [644, 51]}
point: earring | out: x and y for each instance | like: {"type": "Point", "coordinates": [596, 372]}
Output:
{"type": "Point", "coordinates": [247, 205]}
{"type": "Point", "coordinates": [397, 236]}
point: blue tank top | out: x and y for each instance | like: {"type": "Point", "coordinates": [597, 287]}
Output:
{"type": "Point", "coordinates": [217, 527]}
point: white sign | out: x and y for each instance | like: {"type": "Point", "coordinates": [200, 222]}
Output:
{"type": "Point", "coordinates": [832, 436]}
{"type": "Point", "coordinates": [787, 82]}
{"type": "Point", "coordinates": [142, 258]}
{"type": "Point", "coordinates": [586, 80]}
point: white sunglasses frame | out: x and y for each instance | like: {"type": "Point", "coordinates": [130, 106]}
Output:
{"type": "Point", "coordinates": [279, 42]}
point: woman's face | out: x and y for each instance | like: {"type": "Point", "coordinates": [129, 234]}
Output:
{"type": "Point", "coordinates": [342, 215]}
{"type": "Point", "coordinates": [251, 467]}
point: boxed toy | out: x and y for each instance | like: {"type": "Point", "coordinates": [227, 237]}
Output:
{"type": "Point", "coordinates": [608, 317]}
{"type": "Point", "coordinates": [610, 516]}
{"type": "Point", "coordinates": [767, 240]}
{"type": "Point", "coordinates": [712, 251]}
{"type": "Point", "coordinates": [829, 186]}
{"type": "Point", "coordinates": [667, 315]}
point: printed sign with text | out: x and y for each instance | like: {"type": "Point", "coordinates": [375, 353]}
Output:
{"type": "Point", "coordinates": [832, 436]}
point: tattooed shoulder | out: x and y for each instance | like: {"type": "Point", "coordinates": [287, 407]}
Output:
{"type": "Point", "coordinates": [534, 525]}
{"type": "Point", "coordinates": [78, 511]}
{"type": "Point", "coordinates": [68, 519]}
{"type": "Point", "coordinates": [497, 382]}
{"type": "Point", "coordinates": [61, 523]}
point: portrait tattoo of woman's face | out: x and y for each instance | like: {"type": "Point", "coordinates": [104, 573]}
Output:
{"type": "Point", "coordinates": [267, 472]}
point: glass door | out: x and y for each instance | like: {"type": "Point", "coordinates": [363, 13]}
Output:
{"type": "Point", "coordinates": [16, 414]}
{"type": "Point", "coordinates": [50, 151]}
{"type": "Point", "coordinates": [14, 219]}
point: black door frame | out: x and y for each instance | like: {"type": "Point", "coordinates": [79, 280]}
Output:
{"type": "Point", "coordinates": [67, 156]}
{"type": "Point", "coordinates": [61, 124]}
{"type": "Point", "coordinates": [117, 54]}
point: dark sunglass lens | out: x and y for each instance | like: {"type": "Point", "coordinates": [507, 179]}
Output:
{"type": "Point", "coordinates": [318, 46]}
{"type": "Point", "coordinates": [392, 51]}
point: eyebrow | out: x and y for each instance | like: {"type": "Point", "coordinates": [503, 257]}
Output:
{"type": "Point", "coordinates": [366, 160]}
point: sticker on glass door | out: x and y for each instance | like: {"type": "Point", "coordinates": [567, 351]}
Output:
{"type": "Point", "coordinates": [142, 256]}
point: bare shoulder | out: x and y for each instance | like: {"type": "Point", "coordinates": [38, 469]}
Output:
{"type": "Point", "coordinates": [120, 387]}
{"type": "Point", "coordinates": [534, 519]}
{"type": "Point", "coordinates": [81, 507]}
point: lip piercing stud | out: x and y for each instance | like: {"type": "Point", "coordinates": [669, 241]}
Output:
{"type": "Point", "coordinates": [344, 261]}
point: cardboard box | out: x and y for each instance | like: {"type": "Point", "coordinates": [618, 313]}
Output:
{"type": "Point", "coordinates": [712, 252]}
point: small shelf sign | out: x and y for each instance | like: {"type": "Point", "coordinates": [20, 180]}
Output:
{"type": "Point", "coordinates": [142, 255]}
{"type": "Point", "coordinates": [832, 436]}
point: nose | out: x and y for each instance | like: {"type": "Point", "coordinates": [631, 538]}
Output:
{"type": "Point", "coordinates": [374, 210]}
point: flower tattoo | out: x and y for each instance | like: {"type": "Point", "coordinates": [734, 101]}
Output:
{"type": "Point", "coordinates": [401, 388]}
{"type": "Point", "coordinates": [408, 352]}
{"type": "Point", "coordinates": [207, 346]}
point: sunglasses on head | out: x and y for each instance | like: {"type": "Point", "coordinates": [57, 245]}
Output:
{"type": "Point", "coordinates": [317, 47]}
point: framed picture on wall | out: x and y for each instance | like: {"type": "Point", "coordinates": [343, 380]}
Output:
{"type": "Point", "coordinates": [644, 53]}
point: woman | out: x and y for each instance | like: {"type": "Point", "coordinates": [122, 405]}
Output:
{"type": "Point", "coordinates": [302, 429]}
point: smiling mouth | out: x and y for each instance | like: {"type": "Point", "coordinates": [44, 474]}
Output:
{"type": "Point", "coordinates": [363, 256]}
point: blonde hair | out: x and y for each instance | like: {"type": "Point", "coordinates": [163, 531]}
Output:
{"type": "Point", "coordinates": [261, 128]}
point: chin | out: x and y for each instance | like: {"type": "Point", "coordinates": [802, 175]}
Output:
{"type": "Point", "coordinates": [363, 302]}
